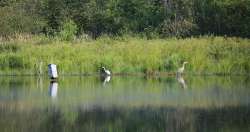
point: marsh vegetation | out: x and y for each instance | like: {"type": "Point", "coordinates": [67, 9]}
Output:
{"type": "Point", "coordinates": [206, 55]}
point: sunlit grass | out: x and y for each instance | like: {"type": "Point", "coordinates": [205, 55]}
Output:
{"type": "Point", "coordinates": [206, 55]}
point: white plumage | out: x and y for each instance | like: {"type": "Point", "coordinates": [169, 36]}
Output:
{"type": "Point", "coordinates": [105, 72]}
{"type": "Point", "coordinates": [181, 70]}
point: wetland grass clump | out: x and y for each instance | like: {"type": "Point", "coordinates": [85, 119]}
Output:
{"type": "Point", "coordinates": [206, 55]}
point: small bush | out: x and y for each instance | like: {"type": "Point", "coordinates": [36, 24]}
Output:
{"type": "Point", "coordinates": [16, 62]}
{"type": "Point", "coordinates": [9, 47]}
{"type": "Point", "coordinates": [16, 21]}
{"type": "Point", "coordinates": [183, 28]}
{"type": "Point", "coordinates": [68, 31]}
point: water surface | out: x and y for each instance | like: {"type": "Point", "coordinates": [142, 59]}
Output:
{"type": "Point", "coordinates": [191, 104]}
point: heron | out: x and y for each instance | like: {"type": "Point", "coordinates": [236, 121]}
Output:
{"type": "Point", "coordinates": [181, 69]}
{"type": "Point", "coordinates": [105, 72]}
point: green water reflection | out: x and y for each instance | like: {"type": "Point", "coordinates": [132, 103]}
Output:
{"type": "Point", "coordinates": [192, 104]}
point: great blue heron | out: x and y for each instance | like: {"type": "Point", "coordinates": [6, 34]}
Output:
{"type": "Point", "coordinates": [105, 72]}
{"type": "Point", "coordinates": [181, 69]}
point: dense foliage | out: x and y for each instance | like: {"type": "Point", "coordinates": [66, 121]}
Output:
{"type": "Point", "coordinates": [165, 18]}
{"type": "Point", "coordinates": [125, 55]}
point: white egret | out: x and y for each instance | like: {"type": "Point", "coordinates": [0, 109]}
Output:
{"type": "Point", "coordinates": [181, 69]}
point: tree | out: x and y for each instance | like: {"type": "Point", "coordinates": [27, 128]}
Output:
{"type": "Point", "coordinates": [54, 13]}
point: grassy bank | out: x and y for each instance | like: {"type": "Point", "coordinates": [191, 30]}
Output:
{"type": "Point", "coordinates": [206, 55]}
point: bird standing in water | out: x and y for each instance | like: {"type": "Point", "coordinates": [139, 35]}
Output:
{"type": "Point", "coordinates": [105, 72]}
{"type": "Point", "coordinates": [181, 69]}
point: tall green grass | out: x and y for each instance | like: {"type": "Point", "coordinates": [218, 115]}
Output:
{"type": "Point", "coordinates": [206, 55]}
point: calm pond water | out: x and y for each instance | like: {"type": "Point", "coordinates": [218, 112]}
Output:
{"type": "Point", "coordinates": [190, 104]}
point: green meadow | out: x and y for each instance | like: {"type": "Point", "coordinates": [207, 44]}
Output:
{"type": "Point", "coordinates": [125, 55]}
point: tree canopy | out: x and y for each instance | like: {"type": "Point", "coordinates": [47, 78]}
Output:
{"type": "Point", "coordinates": [165, 18]}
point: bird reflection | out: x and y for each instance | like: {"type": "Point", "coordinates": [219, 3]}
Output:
{"type": "Point", "coordinates": [181, 81]}
{"type": "Point", "coordinates": [53, 89]}
{"type": "Point", "coordinates": [105, 79]}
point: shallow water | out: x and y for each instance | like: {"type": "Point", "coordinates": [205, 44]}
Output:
{"type": "Point", "coordinates": [190, 104]}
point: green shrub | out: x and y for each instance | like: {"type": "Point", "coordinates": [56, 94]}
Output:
{"type": "Point", "coordinates": [182, 28]}
{"type": "Point", "coordinates": [68, 31]}
{"type": "Point", "coordinates": [16, 21]}
{"type": "Point", "coordinates": [9, 47]}
{"type": "Point", "coordinates": [16, 62]}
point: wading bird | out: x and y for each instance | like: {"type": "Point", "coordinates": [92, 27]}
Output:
{"type": "Point", "coordinates": [181, 69]}
{"type": "Point", "coordinates": [105, 72]}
